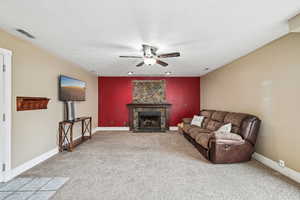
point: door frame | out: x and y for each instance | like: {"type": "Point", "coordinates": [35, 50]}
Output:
{"type": "Point", "coordinates": [6, 174]}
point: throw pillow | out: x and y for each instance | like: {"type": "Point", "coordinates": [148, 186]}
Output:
{"type": "Point", "coordinates": [224, 129]}
{"type": "Point", "coordinates": [197, 120]}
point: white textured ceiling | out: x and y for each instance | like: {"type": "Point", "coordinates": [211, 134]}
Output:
{"type": "Point", "coordinates": [93, 33]}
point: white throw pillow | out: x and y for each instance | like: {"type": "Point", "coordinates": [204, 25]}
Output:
{"type": "Point", "coordinates": [224, 129]}
{"type": "Point", "coordinates": [197, 120]}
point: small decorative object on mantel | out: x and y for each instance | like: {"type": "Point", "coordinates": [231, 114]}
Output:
{"type": "Point", "coordinates": [32, 103]}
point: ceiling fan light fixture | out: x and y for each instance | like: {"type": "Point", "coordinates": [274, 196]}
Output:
{"type": "Point", "coordinates": [149, 61]}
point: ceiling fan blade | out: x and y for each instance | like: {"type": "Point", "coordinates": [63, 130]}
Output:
{"type": "Point", "coordinates": [162, 63]}
{"type": "Point", "coordinates": [169, 55]}
{"type": "Point", "coordinates": [140, 64]}
{"type": "Point", "coordinates": [131, 57]}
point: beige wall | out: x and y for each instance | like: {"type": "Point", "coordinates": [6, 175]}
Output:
{"type": "Point", "coordinates": [265, 83]}
{"type": "Point", "coordinates": [35, 73]}
{"type": "Point", "coordinates": [294, 24]}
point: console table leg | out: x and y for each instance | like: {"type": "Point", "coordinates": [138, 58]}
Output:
{"type": "Point", "coordinates": [90, 128]}
{"type": "Point", "coordinates": [82, 130]}
{"type": "Point", "coordinates": [60, 138]}
{"type": "Point", "coordinates": [71, 138]}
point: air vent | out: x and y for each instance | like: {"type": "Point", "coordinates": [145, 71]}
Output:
{"type": "Point", "coordinates": [25, 33]}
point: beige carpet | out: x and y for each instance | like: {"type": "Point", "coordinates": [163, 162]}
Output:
{"type": "Point", "coordinates": [157, 166]}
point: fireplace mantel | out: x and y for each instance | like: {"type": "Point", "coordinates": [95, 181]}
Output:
{"type": "Point", "coordinates": [134, 108]}
{"type": "Point", "coordinates": [148, 105]}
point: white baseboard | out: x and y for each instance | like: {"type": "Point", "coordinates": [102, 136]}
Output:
{"type": "Point", "coordinates": [29, 164]}
{"type": "Point", "coordinates": [95, 130]}
{"type": "Point", "coordinates": [119, 128]}
{"type": "Point", "coordinates": [292, 174]}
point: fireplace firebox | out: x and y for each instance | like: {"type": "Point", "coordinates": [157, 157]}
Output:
{"type": "Point", "coordinates": [149, 121]}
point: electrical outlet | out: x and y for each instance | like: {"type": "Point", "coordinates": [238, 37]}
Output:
{"type": "Point", "coordinates": [281, 163]}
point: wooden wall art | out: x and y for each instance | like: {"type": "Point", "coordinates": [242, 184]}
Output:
{"type": "Point", "coordinates": [31, 103]}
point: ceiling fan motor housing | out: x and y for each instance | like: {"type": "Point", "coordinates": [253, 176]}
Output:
{"type": "Point", "coordinates": [149, 51]}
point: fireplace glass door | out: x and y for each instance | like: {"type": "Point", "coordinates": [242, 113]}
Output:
{"type": "Point", "coordinates": [149, 121]}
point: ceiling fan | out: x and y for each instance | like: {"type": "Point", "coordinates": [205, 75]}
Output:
{"type": "Point", "coordinates": [150, 57]}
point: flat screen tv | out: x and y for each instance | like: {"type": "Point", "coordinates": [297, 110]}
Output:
{"type": "Point", "coordinates": [71, 89]}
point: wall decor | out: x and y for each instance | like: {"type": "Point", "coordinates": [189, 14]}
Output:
{"type": "Point", "coordinates": [149, 91]}
{"type": "Point", "coordinates": [32, 103]}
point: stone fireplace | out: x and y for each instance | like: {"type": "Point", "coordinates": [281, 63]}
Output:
{"type": "Point", "coordinates": [149, 110]}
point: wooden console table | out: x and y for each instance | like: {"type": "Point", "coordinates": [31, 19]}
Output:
{"type": "Point", "coordinates": [66, 133]}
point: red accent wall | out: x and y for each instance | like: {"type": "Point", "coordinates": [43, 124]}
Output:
{"type": "Point", "coordinates": [115, 92]}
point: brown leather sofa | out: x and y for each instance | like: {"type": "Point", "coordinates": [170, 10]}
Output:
{"type": "Point", "coordinates": [237, 146]}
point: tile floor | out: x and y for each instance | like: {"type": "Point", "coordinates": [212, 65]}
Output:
{"type": "Point", "coordinates": [31, 188]}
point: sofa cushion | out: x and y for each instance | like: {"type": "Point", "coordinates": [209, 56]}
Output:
{"type": "Point", "coordinates": [187, 127]}
{"type": "Point", "coordinates": [236, 120]}
{"type": "Point", "coordinates": [219, 116]}
{"type": "Point", "coordinates": [194, 132]}
{"type": "Point", "coordinates": [207, 113]}
{"type": "Point", "coordinates": [235, 129]}
{"type": "Point", "coordinates": [203, 139]}
{"type": "Point", "coordinates": [187, 120]}
{"type": "Point", "coordinates": [205, 122]}
{"type": "Point", "coordinates": [213, 125]}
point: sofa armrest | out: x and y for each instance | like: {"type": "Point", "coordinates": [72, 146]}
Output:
{"type": "Point", "coordinates": [187, 120]}
{"type": "Point", "coordinates": [229, 151]}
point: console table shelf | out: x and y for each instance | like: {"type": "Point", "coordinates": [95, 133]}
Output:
{"type": "Point", "coordinates": [66, 133]}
